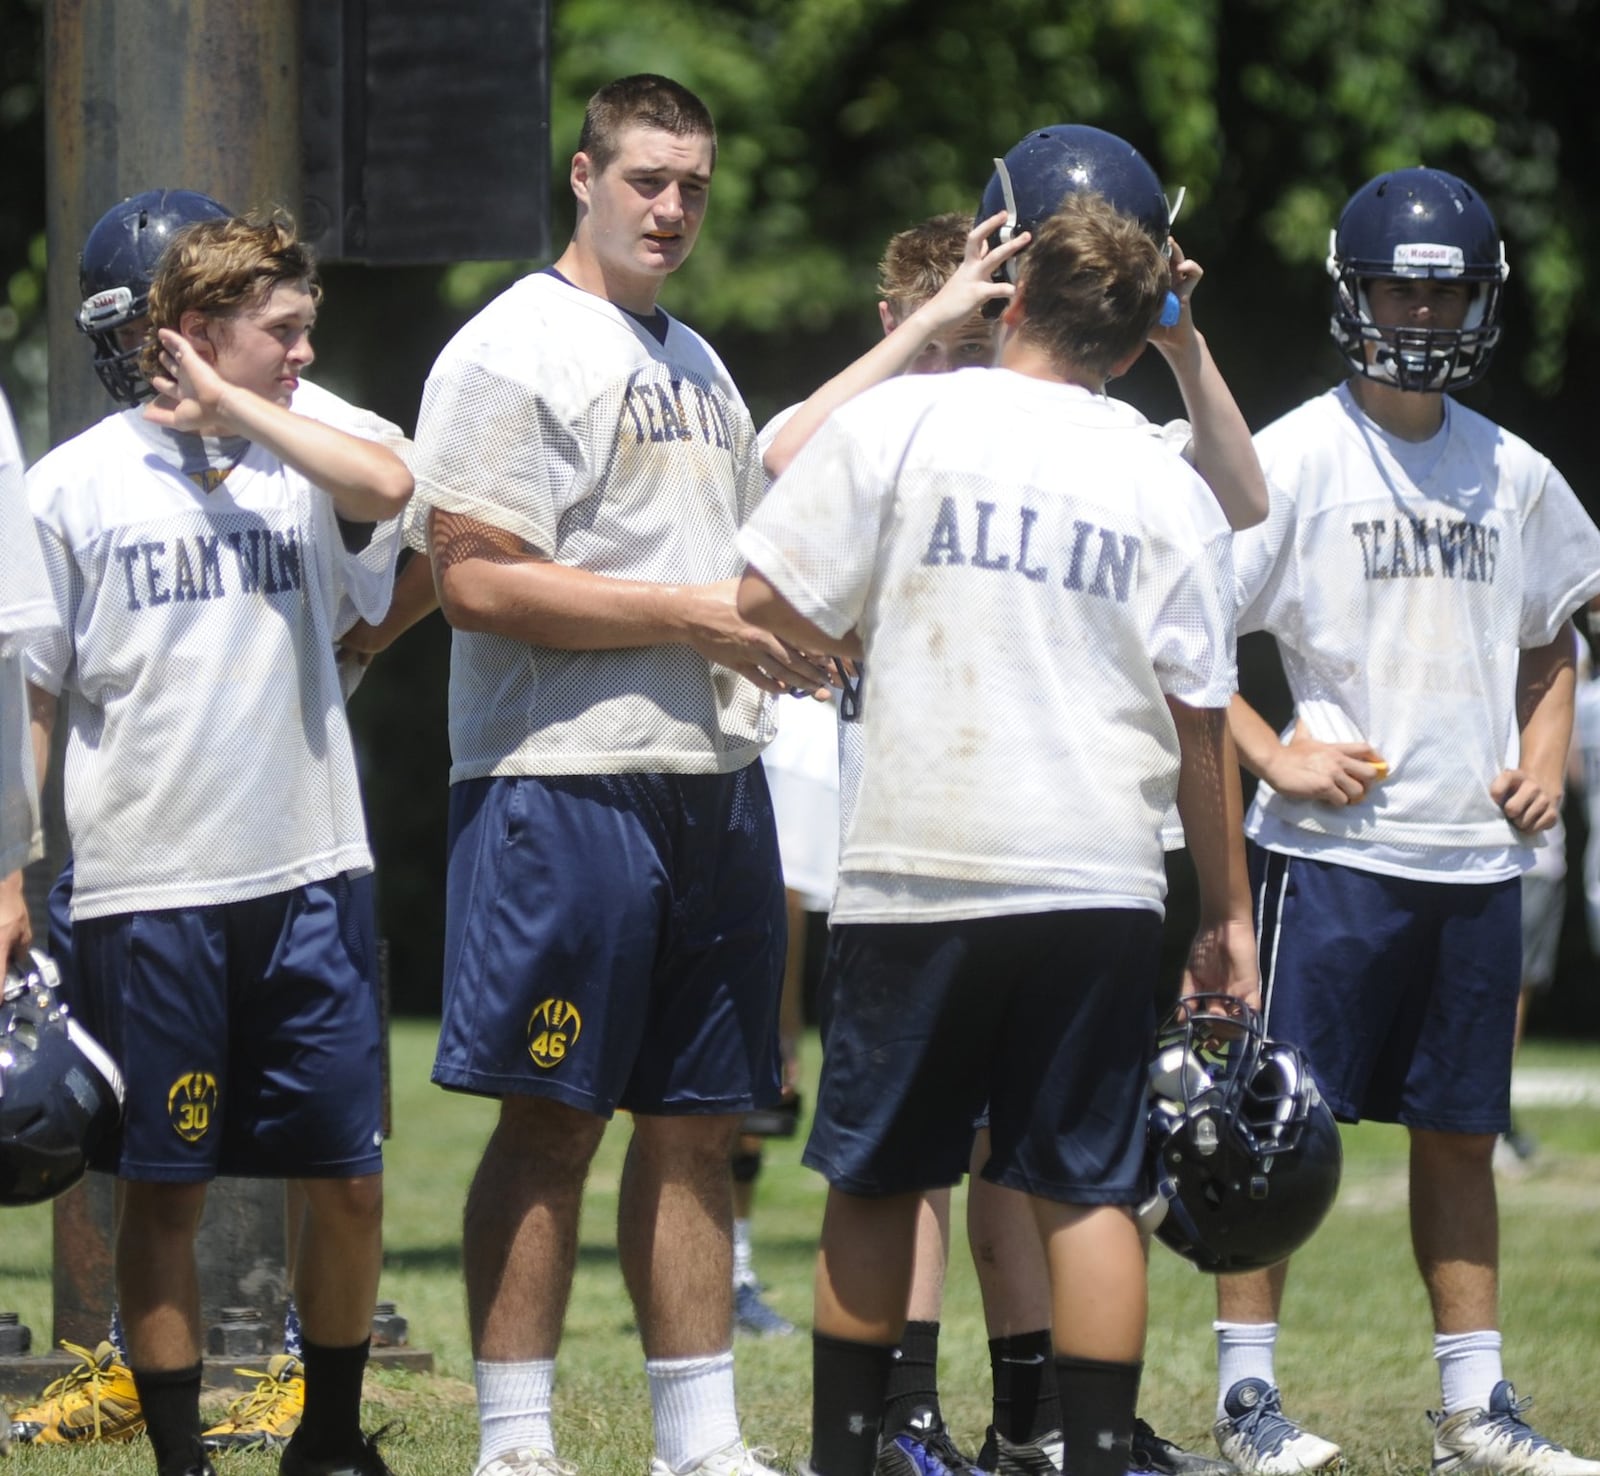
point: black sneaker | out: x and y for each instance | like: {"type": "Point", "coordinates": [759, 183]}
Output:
{"type": "Point", "coordinates": [923, 1447]}
{"type": "Point", "coordinates": [294, 1462]}
{"type": "Point", "coordinates": [1041, 1457]}
{"type": "Point", "coordinates": [1166, 1458]}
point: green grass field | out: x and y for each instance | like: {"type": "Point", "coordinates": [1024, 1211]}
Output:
{"type": "Point", "coordinates": [1354, 1360]}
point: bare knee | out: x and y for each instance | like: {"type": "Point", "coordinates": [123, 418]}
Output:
{"type": "Point", "coordinates": [1451, 1153]}
{"type": "Point", "coordinates": [547, 1141]}
{"type": "Point", "coordinates": [349, 1204]}
{"type": "Point", "coordinates": [165, 1210]}
{"type": "Point", "coordinates": [687, 1146]}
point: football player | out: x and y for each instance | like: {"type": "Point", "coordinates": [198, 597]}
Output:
{"type": "Point", "coordinates": [97, 1400]}
{"type": "Point", "coordinates": [1418, 568]}
{"type": "Point", "coordinates": [936, 281]}
{"type": "Point", "coordinates": [1007, 548]}
{"type": "Point", "coordinates": [608, 706]}
{"type": "Point", "coordinates": [223, 535]}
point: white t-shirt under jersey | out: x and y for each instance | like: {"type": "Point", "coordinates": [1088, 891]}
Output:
{"type": "Point", "coordinates": [26, 608]}
{"type": "Point", "coordinates": [557, 417]}
{"type": "Point", "coordinates": [208, 754]}
{"type": "Point", "coordinates": [1032, 574]}
{"type": "Point", "coordinates": [1401, 580]}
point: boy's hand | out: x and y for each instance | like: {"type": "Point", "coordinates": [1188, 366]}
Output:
{"type": "Point", "coordinates": [191, 390]}
{"type": "Point", "coordinates": [1330, 773]}
{"type": "Point", "coordinates": [1222, 960]}
{"type": "Point", "coordinates": [1525, 802]}
{"type": "Point", "coordinates": [1186, 275]}
{"type": "Point", "coordinates": [719, 633]}
{"type": "Point", "coordinates": [16, 931]}
{"type": "Point", "coordinates": [973, 283]}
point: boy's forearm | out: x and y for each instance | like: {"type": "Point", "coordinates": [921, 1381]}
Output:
{"type": "Point", "coordinates": [42, 706]}
{"type": "Point", "coordinates": [1211, 806]}
{"type": "Point", "coordinates": [1546, 686]}
{"type": "Point", "coordinates": [1224, 453]}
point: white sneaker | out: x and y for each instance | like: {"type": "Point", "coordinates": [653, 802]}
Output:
{"type": "Point", "coordinates": [1498, 1439]}
{"type": "Point", "coordinates": [1259, 1439]}
{"type": "Point", "coordinates": [527, 1461]}
{"type": "Point", "coordinates": [736, 1459]}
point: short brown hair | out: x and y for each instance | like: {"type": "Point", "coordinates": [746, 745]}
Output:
{"type": "Point", "coordinates": [918, 261]}
{"type": "Point", "coordinates": [223, 267]}
{"type": "Point", "coordinates": [641, 101]}
{"type": "Point", "coordinates": [1092, 285]}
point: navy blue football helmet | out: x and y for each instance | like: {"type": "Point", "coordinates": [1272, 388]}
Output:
{"type": "Point", "coordinates": [1417, 223]}
{"type": "Point", "coordinates": [1244, 1153]}
{"type": "Point", "coordinates": [60, 1092]}
{"type": "Point", "coordinates": [1036, 175]}
{"type": "Point", "coordinates": [116, 265]}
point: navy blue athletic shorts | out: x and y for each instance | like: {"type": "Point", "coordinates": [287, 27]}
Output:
{"type": "Point", "coordinates": [1402, 993]}
{"type": "Point", "coordinates": [1047, 1017]}
{"type": "Point", "coordinates": [247, 1032]}
{"type": "Point", "coordinates": [614, 940]}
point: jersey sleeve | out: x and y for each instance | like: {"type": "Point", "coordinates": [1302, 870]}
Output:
{"type": "Point", "coordinates": [27, 603]}
{"type": "Point", "coordinates": [47, 661]}
{"type": "Point", "coordinates": [1561, 552]}
{"type": "Point", "coordinates": [1266, 585]}
{"type": "Point", "coordinates": [1191, 640]}
{"type": "Point", "coordinates": [815, 537]}
{"type": "Point", "coordinates": [490, 448]}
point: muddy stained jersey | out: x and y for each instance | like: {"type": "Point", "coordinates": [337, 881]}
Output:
{"type": "Point", "coordinates": [1175, 435]}
{"type": "Point", "coordinates": [26, 607]}
{"type": "Point", "coordinates": [560, 419]}
{"type": "Point", "coordinates": [1032, 574]}
{"type": "Point", "coordinates": [208, 754]}
{"type": "Point", "coordinates": [1401, 580]}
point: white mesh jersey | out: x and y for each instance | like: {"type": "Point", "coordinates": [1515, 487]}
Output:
{"type": "Point", "coordinates": [1401, 580]}
{"type": "Point", "coordinates": [1032, 574]}
{"type": "Point", "coordinates": [1175, 435]}
{"type": "Point", "coordinates": [208, 754]}
{"type": "Point", "coordinates": [26, 608]}
{"type": "Point", "coordinates": [557, 417]}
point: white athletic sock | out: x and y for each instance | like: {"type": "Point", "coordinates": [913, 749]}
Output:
{"type": "Point", "coordinates": [1469, 1368]}
{"type": "Point", "coordinates": [692, 1401]}
{"type": "Point", "coordinates": [744, 1273]}
{"type": "Point", "coordinates": [1244, 1351]}
{"type": "Point", "coordinates": [514, 1407]}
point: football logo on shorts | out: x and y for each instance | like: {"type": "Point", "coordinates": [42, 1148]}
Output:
{"type": "Point", "coordinates": [553, 1031]}
{"type": "Point", "coordinates": [191, 1103]}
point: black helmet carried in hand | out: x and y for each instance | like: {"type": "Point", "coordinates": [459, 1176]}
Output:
{"type": "Point", "coordinates": [60, 1092]}
{"type": "Point", "coordinates": [1244, 1152]}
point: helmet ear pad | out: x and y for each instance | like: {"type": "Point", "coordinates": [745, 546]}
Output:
{"type": "Point", "coordinates": [115, 268]}
{"type": "Point", "coordinates": [1243, 1151]}
{"type": "Point", "coordinates": [60, 1092]}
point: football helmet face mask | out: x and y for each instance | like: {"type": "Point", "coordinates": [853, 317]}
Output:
{"type": "Point", "coordinates": [60, 1092]}
{"type": "Point", "coordinates": [1033, 179]}
{"type": "Point", "coordinates": [118, 260]}
{"type": "Point", "coordinates": [1244, 1152]}
{"type": "Point", "coordinates": [1413, 224]}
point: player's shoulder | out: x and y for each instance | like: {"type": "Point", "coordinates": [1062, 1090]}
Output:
{"type": "Point", "coordinates": [114, 436]}
{"type": "Point", "coordinates": [317, 402]}
{"type": "Point", "coordinates": [1489, 440]}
